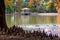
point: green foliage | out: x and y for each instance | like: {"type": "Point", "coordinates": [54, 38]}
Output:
{"type": "Point", "coordinates": [37, 6]}
{"type": "Point", "coordinates": [52, 8]}
{"type": "Point", "coordinates": [34, 7]}
{"type": "Point", "coordinates": [9, 10]}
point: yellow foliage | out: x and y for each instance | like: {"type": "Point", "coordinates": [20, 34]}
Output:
{"type": "Point", "coordinates": [30, 3]}
{"type": "Point", "coordinates": [9, 2]}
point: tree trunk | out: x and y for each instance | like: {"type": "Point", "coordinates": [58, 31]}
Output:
{"type": "Point", "coordinates": [2, 15]}
{"type": "Point", "coordinates": [58, 10]}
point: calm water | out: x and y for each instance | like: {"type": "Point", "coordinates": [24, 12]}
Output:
{"type": "Point", "coordinates": [21, 19]}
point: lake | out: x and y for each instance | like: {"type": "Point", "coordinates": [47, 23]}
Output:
{"type": "Point", "coordinates": [29, 19]}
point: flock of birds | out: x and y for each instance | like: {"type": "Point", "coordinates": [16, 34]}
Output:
{"type": "Point", "coordinates": [53, 29]}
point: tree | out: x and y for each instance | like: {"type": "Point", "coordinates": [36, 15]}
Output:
{"type": "Point", "coordinates": [19, 5]}
{"type": "Point", "coordinates": [30, 3]}
{"type": "Point", "coordinates": [58, 9]}
{"type": "Point", "coordinates": [2, 15]}
{"type": "Point", "coordinates": [9, 3]}
{"type": "Point", "coordinates": [9, 6]}
{"type": "Point", "coordinates": [52, 8]}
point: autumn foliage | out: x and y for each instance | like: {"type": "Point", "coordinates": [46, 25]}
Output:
{"type": "Point", "coordinates": [9, 3]}
{"type": "Point", "coordinates": [58, 4]}
{"type": "Point", "coordinates": [31, 2]}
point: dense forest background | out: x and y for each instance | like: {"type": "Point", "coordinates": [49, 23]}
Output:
{"type": "Point", "coordinates": [40, 6]}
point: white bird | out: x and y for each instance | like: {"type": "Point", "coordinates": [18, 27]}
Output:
{"type": "Point", "coordinates": [12, 19]}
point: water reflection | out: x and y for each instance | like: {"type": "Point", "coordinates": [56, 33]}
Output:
{"type": "Point", "coordinates": [25, 19]}
{"type": "Point", "coordinates": [21, 19]}
{"type": "Point", "coordinates": [12, 19]}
